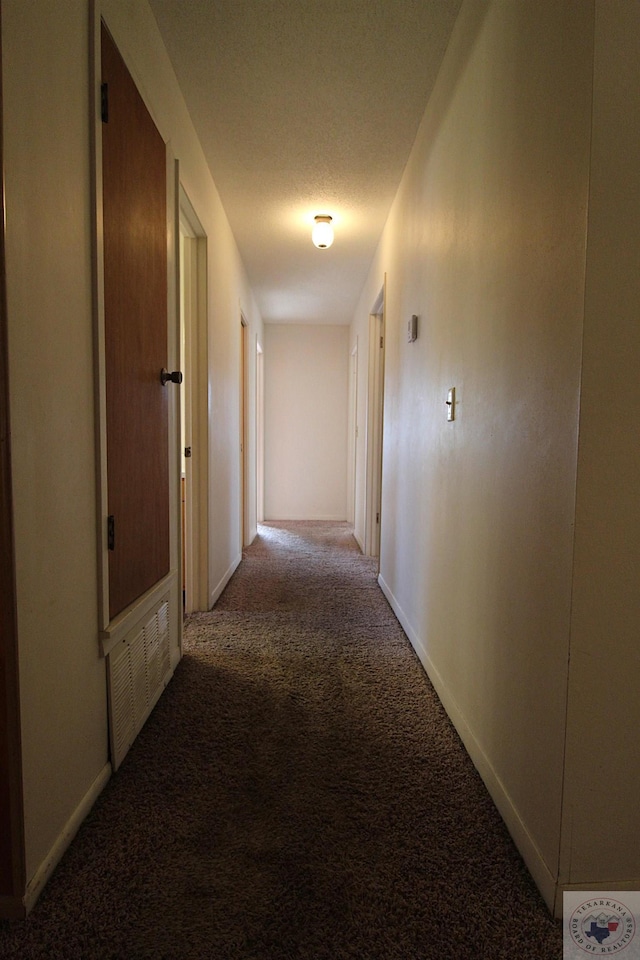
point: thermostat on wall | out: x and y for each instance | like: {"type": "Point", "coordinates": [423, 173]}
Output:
{"type": "Point", "coordinates": [412, 328]}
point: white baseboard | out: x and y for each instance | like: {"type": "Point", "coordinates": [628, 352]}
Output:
{"type": "Point", "coordinates": [59, 848]}
{"type": "Point", "coordinates": [543, 878]}
{"type": "Point", "coordinates": [217, 590]}
{"type": "Point", "coordinates": [324, 518]}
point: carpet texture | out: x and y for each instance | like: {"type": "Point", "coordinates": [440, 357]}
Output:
{"type": "Point", "coordinates": [297, 794]}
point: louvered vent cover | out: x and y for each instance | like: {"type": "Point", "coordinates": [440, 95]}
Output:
{"type": "Point", "coordinates": [138, 671]}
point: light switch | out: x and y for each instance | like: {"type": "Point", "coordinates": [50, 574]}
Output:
{"type": "Point", "coordinates": [451, 404]}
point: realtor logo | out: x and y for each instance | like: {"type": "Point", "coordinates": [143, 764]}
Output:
{"type": "Point", "coordinates": [601, 924]}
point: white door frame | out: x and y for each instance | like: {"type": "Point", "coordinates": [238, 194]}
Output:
{"type": "Point", "coordinates": [259, 432]}
{"type": "Point", "coordinates": [352, 478]}
{"type": "Point", "coordinates": [375, 422]}
{"type": "Point", "coordinates": [247, 492]}
{"type": "Point", "coordinates": [195, 360]}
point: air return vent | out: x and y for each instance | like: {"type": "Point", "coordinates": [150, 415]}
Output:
{"type": "Point", "coordinates": [138, 671]}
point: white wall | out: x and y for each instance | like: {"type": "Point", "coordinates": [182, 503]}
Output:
{"type": "Point", "coordinates": [49, 281]}
{"type": "Point", "coordinates": [486, 243]}
{"type": "Point", "coordinates": [306, 412]}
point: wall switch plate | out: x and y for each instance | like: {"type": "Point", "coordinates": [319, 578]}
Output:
{"type": "Point", "coordinates": [451, 404]}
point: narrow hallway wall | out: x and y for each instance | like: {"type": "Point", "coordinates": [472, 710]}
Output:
{"type": "Point", "coordinates": [47, 92]}
{"type": "Point", "coordinates": [48, 228]}
{"type": "Point", "coordinates": [486, 244]}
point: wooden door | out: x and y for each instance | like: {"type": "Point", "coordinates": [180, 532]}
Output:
{"type": "Point", "coordinates": [135, 304]}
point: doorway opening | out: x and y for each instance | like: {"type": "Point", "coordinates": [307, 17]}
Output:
{"type": "Point", "coordinates": [352, 478]}
{"type": "Point", "coordinates": [375, 424]}
{"type": "Point", "coordinates": [259, 432]}
{"type": "Point", "coordinates": [245, 489]}
{"type": "Point", "coordinates": [195, 409]}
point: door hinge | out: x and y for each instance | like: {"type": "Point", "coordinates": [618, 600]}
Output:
{"type": "Point", "coordinates": [377, 518]}
{"type": "Point", "coordinates": [381, 342]}
{"type": "Point", "coordinates": [187, 452]}
{"type": "Point", "coordinates": [111, 532]}
{"type": "Point", "coordinates": [104, 102]}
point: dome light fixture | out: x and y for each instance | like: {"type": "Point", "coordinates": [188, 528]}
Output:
{"type": "Point", "coordinates": [322, 233]}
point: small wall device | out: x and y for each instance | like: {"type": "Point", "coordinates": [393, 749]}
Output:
{"type": "Point", "coordinates": [451, 404]}
{"type": "Point", "coordinates": [412, 329]}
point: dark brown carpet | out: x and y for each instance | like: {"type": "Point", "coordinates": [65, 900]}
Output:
{"type": "Point", "coordinates": [297, 794]}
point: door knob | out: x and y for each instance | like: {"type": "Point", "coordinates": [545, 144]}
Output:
{"type": "Point", "coordinates": [166, 377]}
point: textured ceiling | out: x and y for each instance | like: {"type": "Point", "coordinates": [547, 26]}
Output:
{"type": "Point", "coordinates": [306, 107]}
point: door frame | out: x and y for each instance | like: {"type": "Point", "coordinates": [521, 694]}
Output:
{"type": "Point", "coordinates": [112, 632]}
{"type": "Point", "coordinates": [193, 285]}
{"type": "Point", "coordinates": [352, 473]}
{"type": "Point", "coordinates": [247, 492]}
{"type": "Point", "coordinates": [259, 432]}
{"type": "Point", "coordinates": [375, 425]}
{"type": "Point", "coordinates": [12, 884]}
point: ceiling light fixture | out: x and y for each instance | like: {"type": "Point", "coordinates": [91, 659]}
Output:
{"type": "Point", "coordinates": [322, 233]}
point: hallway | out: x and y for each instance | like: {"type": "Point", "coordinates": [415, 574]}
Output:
{"type": "Point", "coordinates": [298, 792]}
{"type": "Point", "coordinates": [509, 509]}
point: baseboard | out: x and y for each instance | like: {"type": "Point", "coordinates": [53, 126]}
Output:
{"type": "Point", "coordinates": [331, 518]}
{"type": "Point", "coordinates": [529, 851]}
{"type": "Point", "coordinates": [59, 848]}
{"type": "Point", "coordinates": [217, 590]}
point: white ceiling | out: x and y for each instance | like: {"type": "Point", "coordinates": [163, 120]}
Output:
{"type": "Point", "coordinates": [306, 107]}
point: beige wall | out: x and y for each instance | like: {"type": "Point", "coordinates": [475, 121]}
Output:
{"type": "Point", "coordinates": [64, 731]}
{"type": "Point", "coordinates": [602, 839]}
{"type": "Point", "coordinates": [486, 243]}
{"type": "Point", "coordinates": [306, 405]}
{"type": "Point", "coordinates": [49, 279]}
